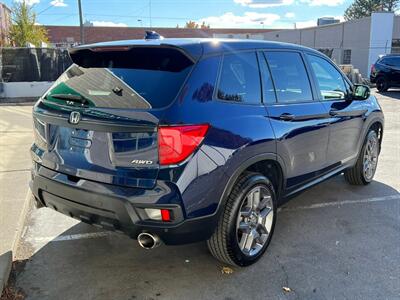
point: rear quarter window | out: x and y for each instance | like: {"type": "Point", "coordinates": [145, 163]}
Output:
{"type": "Point", "coordinates": [240, 78]}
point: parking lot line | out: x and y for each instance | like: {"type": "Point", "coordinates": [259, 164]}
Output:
{"type": "Point", "coordinates": [344, 202]}
{"type": "Point", "coordinates": [69, 237]}
{"type": "Point", "coordinates": [94, 235]}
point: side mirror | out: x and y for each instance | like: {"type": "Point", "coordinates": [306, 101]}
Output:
{"type": "Point", "coordinates": [361, 92]}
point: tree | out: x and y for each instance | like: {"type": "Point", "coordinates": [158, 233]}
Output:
{"type": "Point", "coordinates": [364, 8]}
{"type": "Point", "coordinates": [24, 28]}
{"type": "Point", "coordinates": [191, 24]}
{"type": "Point", "coordinates": [204, 26]}
{"type": "Point", "coordinates": [194, 25]}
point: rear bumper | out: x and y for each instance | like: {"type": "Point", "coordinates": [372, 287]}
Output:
{"type": "Point", "coordinates": [119, 208]}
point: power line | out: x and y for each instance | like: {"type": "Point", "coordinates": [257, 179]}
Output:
{"type": "Point", "coordinates": [121, 16]}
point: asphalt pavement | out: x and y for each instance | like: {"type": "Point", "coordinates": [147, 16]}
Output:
{"type": "Point", "coordinates": [334, 241]}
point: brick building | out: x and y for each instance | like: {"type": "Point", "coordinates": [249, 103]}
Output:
{"type": "Point", "coordinates": [62, 36]}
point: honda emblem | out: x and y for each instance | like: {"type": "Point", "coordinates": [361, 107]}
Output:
{"type": "Point", "coordinates": [74, 117]}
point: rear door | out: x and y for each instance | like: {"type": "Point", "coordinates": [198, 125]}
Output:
{"type": "Point", "coordinates": [346, 115]}
{"type": "Point", "coordinates": [99, 120]}
{"type": "Point", "coordinates": [299, 122]}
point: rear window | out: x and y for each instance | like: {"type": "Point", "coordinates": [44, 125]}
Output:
{"type": "Point", "coordinates": [141, 78]}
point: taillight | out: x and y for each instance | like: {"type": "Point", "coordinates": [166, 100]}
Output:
{"type": "Point", "coordinates": [372, 69]}
{"type": "Point", "coordinates": [176, 143]}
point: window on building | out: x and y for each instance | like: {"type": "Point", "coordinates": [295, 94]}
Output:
{"type": "Point", "coordinates": [347, 57]}
{"type": "Point", "coordinates": [290, 76]}
{"type": "Point", "coordinates": [330, 81]}
{"type": "Point", "coordinates": [240, 78]}
{"type": "Point", "coordinates": [396, 46]}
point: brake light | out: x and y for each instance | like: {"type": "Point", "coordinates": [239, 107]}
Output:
{"type": "Point", "coordinates": [372, 69]}
{"type": "Point", "coordinates": [176, 143]}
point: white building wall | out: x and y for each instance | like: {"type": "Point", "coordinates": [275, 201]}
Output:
{"type": "Point", "coordinates": [356, 38]}
{"type": "Point", "coordinates": [352, 35]}
{"type": "Point", "coordinates": [381, 35]}
{"type": "Point", "coordinates": [396, 27]}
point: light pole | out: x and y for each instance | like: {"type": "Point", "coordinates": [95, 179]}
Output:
{"type": "Point", "coordinates": [81, 22]}
{"type": "Point", "coordinates": [262, 23]}
{"type": "Point", "coordinates": [140, 22]}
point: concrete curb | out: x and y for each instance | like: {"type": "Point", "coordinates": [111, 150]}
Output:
{"type": "Point", "coordinates": [6, 258]}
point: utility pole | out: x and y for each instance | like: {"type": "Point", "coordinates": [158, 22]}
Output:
{"type": "Point", "coordinates": [81, 22]}
{"type": "Point", "coordinates": [150, 12]}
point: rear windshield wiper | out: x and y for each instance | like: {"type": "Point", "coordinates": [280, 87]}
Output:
{"type": "Point", "coordinates": [70, 98]}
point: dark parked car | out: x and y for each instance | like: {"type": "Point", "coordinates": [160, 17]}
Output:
{"type": "Point", "coordinates": [185, 140]}
{"type": "Point", "coordinates": [385, 73]}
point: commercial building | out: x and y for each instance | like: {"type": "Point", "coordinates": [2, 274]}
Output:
{"type": "Point", "coordinates": [65, 36]}
{"type": "Point", "coordinates": [358, 42]}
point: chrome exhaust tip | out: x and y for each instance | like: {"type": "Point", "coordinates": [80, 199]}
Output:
{"type": "Point", "coordinates": [148, 241]}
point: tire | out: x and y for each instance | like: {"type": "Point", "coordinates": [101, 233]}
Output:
{"type": "Point", "coordinates": [382, 84]}
{"type": "Point", "coordinates": [226, 242]}
{"type": "Point", "coordinates": [358, 175]}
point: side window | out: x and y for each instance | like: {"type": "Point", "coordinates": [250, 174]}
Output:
{"type": "Point", "coordinates": [330, 81]}
{"type": "Point", "coordinates": [240, 78]}
{"type": "Point", "coordinates": [268, 87]}
{"type": "Point", "coordinates": [290, 76]}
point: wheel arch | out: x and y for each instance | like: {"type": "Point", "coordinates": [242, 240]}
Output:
{"type": "Point", "coordinates": [265, 164]}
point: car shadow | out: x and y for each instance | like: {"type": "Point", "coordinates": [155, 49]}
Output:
{"type": "Point", "coordinates": [316, 253]}
{"type": "Point", "coordinates": [391, 93]}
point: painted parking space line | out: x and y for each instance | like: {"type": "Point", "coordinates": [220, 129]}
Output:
{"type": "Point", "coordinates": [69, 237]}
{"type": "Point", "coordinates": [94, 235]}
{"type": "Point", "coordinates": [344, 202]}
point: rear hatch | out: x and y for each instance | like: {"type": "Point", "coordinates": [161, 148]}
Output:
{"type": "Point", "coordinates": [99, 120]}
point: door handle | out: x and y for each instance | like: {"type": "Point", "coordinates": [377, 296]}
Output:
{"type": "Point", "coordinates": [287, 117]}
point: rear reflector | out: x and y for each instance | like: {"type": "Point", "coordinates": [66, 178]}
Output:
{"type": "Point", "coordinates": [165, 215]}
{"type": "Point", "coordinates": [176, 143]}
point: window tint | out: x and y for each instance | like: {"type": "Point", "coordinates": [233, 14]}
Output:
{"type": "Point", "coordinates": [240, 78]}
{"type": "Point", "coordinates": [268, 87]}
{"type": "Point", "coordinates": [290, 76]}
{"type": "Point", "coordinates": [329, 80]}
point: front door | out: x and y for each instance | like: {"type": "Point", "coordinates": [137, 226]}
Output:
{"type": "Point", "coordinates": [346, 115]}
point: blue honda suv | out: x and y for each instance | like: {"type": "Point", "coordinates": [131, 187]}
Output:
{"type": "Point", "coordinates": [177, 141]}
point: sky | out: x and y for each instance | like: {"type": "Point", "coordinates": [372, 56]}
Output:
{"type": "Point", "coordinates": [170, 13]}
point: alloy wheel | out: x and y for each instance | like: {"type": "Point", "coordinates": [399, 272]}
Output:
{"type": "Point", "coordinates": [254, 221]}
{"type": "Point", "coordinates": [370, 161]}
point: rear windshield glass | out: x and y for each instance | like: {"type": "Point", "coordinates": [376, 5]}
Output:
{"type": "Point", "coordinates": [141, 78]}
